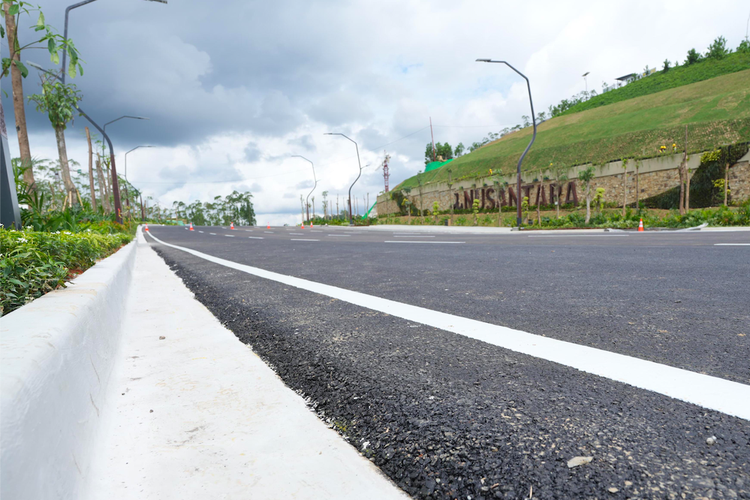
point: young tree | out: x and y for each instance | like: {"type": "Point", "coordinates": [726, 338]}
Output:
{"type": "Point", "coordinates": [459, 151]}
{"type": "Point", "coordinates": [46, 38]}
{"type": "Point", "coordinates": [526, 121]}
{"type": "Point", "coordinates": [718, 49]}
{"type": "Point", "coordinates": [560, 173]}
{"type": "Point", "coordinates": [692, 57]}
{"type": "Point", "coordinates": [744, 46]}
{"type": "Point", "coordinates": [666, 65]}
{"type": "Point", "coordinates": [325, 205]}
{"type": "Point", "coordinates": [59, 101]}
{"type": "Point", "coordinates": [586, 176]}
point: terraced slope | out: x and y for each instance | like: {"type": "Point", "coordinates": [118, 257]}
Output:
{"type": "Point", "coordinates": [717, 112]}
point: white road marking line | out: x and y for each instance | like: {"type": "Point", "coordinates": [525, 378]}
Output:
{"type": "Point", "coordinates": [213, 234]}
{"type": "Point", "coordinates": [200, 231]}
{"type": "Point", "coordinates": [302, 239]}
{"type": "Point", "coordinates": [255, 237]}
{"type": "Point", "coordinates": [315, 231]}
{"type": "Point", "coordinates": [732, 398]}
{"type": "Point", "coordinates": [248, 230]}
{"type": "Point", "coordinates": [340, 235]}
{"type": "Point", "coordinates": [434, 242]}
{"type": "Point", "coordinates": [229, 235]}
{"type": "Point", "coordinates": [296, 234]}
{"type": "Point", "coordinates": [577, 235]}
{"type": "Point", "coordinates": [732, 244]}
{"type": "Point", "coordinates": [271, 232]}
{"type": "Point", "coordinates": [414, 236]}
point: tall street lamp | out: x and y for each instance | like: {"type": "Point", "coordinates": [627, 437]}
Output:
{"type": "Point", "coordinates": [127, 195]}
{"type": "Point", "coordinates": [314, 185]}
{"type": "Point", "coordinates": [586, 81]}
{"type": "Point", "coordinates": [520, 161]}
{"type": "Point", "coordinates": [358, 176]}
{"type": "Point", "coordinates": [65, 31]}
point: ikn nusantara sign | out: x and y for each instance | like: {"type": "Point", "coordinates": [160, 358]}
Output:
{"type": "Point", "coordinates": [538, 194]}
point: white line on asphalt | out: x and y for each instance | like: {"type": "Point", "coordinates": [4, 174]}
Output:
{"type": "Point", "coordinates": [302, 239]}
{"type": "Point", "coordinates": [248, 230]}
{"type": "Point", "coordinates": [229, 235]}
{"type": "Point", "coordinates": [200, 231]}
{"type": "Point", "coordinates": [295, 234]}
{"type": "Point", "coordinates": [710, 392]}
{"type": "Point", "coordinates": [732, 244]}
{"type": "Point", "coordinates": [255, 237]}
{"type": "Point", "coordinates": [213, 234]}
{"type": "Point", "coordinates": [268, 232]}
{"type": "Point", "coordinates": [340, 235]}
{"type": "Point", "coordinates": [577, 235]}
{"type": "Point", "coordinates": [411, 236]}
{"type": "Point", "coordinates": [315, 231]}
{"type": "Point", "coordinates": [435, 242]}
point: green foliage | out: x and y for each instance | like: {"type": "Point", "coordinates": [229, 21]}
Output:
{"type": "Point", "coordinates": [666, 65]}
{"type": "Point", "coordinates": [703, 189]}
{"type": "Point", "coordinates": [475, 209]}
{"type": "Point", "coordinates": [46, 38]}
{"type": "Point", "coordinates": [235, 207]}
{"type": "Point", "coordinates": [744, 47]}
{"type": "Point", "coordinates": [33, 263]}
{"type": "Point", "coordinates": [599, 199]}
{"type": "Point", "coordinates": [718, 49]}
{"type": "Point", "coordinates": [58, 101]}
{"type": "Point", "coordinates": [693, 57]}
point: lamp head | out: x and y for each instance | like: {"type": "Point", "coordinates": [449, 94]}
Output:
{"type": "Point", "coordinates": [483, 60]}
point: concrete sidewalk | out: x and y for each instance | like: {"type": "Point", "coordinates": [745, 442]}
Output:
{"type": "Point", "coordinates": [194, 413]}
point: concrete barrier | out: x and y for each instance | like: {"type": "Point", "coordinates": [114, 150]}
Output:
{"type": "Point", "coordinates": [56, 356]}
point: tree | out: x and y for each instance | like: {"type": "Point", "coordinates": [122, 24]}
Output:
{"type": "Point", "coordinates": [54, 43]}
{"type": "Point", "coordinates": [560, 173]}
{"type": "Point", "coordinates": [325, 204]}
{"type": "Point", "coordinates": [692, 57]}
{"type": "Point", "coordinates": [526, 121]}
{"type": "Point", "coordinates": [744, 47]}
{"type": "Point", "coordinates": [428, 153]}
{"type": "Point", "coordinates": [666, 65]}
{"type": "Point", "coordinates": [718, 49]}
{"type": "Point", "coordinates": [460, 148]}
{"type": "Point", "coordinates": [445, 150]}
{"type": "Point", "coordinates": [586, 176]}
{"type": "Point", "coordinates": [541, 116]}
{"type": "Point", "coordinates": [599, 200]}
{"type": "Point", "coordinates": [59, 101]}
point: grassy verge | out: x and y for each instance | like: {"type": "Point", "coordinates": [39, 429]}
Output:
{"type": "Point", "coordinates": [33, 263]}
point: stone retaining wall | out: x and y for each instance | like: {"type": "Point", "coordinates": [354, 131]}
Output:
{"type": "Point", "coordinates": [654, 177]}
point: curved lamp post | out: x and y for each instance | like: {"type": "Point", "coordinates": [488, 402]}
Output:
{"type": "Point", "coordinates": [314, 185]}
{"type": "Point", "coordinates": [358, 176]}
{"type": "Point", "coordinates": [65, 31]}
{"type": "Point", "coordinates": [533, 120]}
{"type": "Point", "coordinates": [127, 196]}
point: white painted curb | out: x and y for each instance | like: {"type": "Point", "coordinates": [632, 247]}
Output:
{"type": "Point", "coordinates": [56, 356]}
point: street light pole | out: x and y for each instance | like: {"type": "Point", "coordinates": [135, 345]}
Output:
{"type": "Point", "coordinates": [358, 176]}
{"type": "Point", "coordinates": [585, 80]}
{"type": "Point", "coordinates": [127, 195]}
{"type": "Point", "coordinates": [115, 184]}
{"type": "Point", "coordinates": [533, 137]}
{"type": "Point", "coordinates": [307, 206]}
{"type": "Point", "coordinates": [65, 31]}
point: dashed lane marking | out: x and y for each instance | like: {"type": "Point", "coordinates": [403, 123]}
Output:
{"type": "Point", "coordinates": [431, 242]}
{"type": "Point", "coordinates": [302, 239]}
{"type": "Point", "coordinates": [270, 232]}
{"type": "Point", "coordinates": [295, 234]}
{"type": "Point", "coordinates": [229, 235]}
{"type": "Point", "coordinates": [732, 244]}
{"type": "Point", "coordinates": [212, 234]}
{"type": "Point", "coordinates": [578, 235]}
{"type": "Point", "coordinates": [400, 236]}
{"type": "Point", "coordinates": [200, 231]}
{"type": "Point", "coordinates": [732, 398]}
{"type": "Point", "coordinates": [255, 237]}
{"type": "Point", "coordinates": [340, 235]}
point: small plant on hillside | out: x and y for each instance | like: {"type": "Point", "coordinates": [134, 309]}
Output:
{"type": "Point", "coordinates": [744, 47]}
{"type": "Point", "coordinates": [435, 210]}
{"type": "Point", "coordinates": [693, 56]}
{"type": "Point", "coordinates": [525, 208]}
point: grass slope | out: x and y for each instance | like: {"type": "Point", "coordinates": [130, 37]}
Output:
{"type": "Point", "coordinates": [665, 80]}
{"type": "Point", "coordinates": [716, 110]}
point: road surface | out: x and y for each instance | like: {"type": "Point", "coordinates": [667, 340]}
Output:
{"type": "Point", "coordinates": [571, 325]}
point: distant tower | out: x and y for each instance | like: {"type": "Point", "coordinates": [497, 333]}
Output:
{"type": "Point", "coordinates": [386, 173]}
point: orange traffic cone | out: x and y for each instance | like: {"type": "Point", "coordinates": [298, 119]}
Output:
{"type": "Point", "coordinates": [191, 227]}
{"type": "Point", "coordinates": [268, 226]}
{"type": "Point", "coordinates": [640, 226]}
{"type": "Point", "coordinates": [303, 225]}
{"type": "Point", "coordinates": [231, 225]}
{"type": "Point", "coordinates": [311, 224]}
{"type": "Point", "coordinates": [146, 228]}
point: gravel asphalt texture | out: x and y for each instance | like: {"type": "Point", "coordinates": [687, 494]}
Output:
{"type": "Point", "coordinates": [450, 417]}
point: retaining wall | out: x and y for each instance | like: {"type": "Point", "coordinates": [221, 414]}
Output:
{"type": "Point", "coordinates": [655, 176]}
{"type": "Point", "coordinates": [56, 356]}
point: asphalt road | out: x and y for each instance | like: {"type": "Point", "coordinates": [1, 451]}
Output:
{"type": "Point", "coordinates": [447, 416]}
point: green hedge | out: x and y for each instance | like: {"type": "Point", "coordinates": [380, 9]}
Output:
{"type": "Point", "coordinates": [33, 263]}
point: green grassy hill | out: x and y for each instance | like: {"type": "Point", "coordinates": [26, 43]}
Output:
{"type": "Point", "coordinates": [717, 112]}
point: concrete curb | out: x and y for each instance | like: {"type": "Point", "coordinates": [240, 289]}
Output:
{"type": "Point", "coordinates": [56, 357]}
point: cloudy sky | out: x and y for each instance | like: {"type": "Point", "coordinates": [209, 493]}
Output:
{"type": "Point", "coordinates": [234, 88]}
